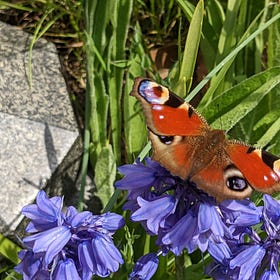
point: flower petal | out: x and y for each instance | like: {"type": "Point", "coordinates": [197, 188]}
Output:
{"type": "Point", "coordinates": [106, 255]}
{"type": "Point", "coordinates": [145, 267]}
{"type": "Point", "coordinates": [50, 241]}
{"type": "Point", "coordinates": [86, 259]}
{"type": "Point", "coordinates": [272, 208]}
{"type": "Point", "coordinates": [270, 275]}
{"type": "Point", "coordinates": [241, 213]}
{"type": "Point", "coordinates": [155, 212]}
{"type": "Point", "coordinates": [66, 270]}
{"type": "Point", "coordinates": [248, 261]}
{"type": "Point", "coordinates": [45, 214]}
{"type": "Point", "coordinates": [110, 221]}
{"type": "Point", "coordinates": [181, 235]}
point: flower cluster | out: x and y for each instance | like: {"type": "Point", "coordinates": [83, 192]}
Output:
{"type": "Point", "coordinates": [247, 254]}
{"type": "Point", "coordinates": [184, 217]}
{"type": "Point", "coordinates": [68, 244]}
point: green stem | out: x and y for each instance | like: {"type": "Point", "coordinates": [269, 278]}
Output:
{"type": "Point", "coordinates": [180, 265]}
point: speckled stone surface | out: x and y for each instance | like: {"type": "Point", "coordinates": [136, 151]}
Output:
{"type": "Point", "coordinates": [37, 124]}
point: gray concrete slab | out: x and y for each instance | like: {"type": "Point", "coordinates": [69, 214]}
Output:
{"type": "Point", "coordinates": [37, 124]}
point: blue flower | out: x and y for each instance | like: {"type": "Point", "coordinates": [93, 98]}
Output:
{"type": "Point", "coordinates": [250, 255]}
{"type": "Point", "coordinates": [139, 178]}
{"type": "Point", "coordinates": [68, 244]}
{"type": "Point", "coordinates": [145, 267]}
{"type": "Point", "coordinates": [181, 215]}
{"type": "Point", "coordinates": [184, 217]}
{"type": "Point", "coordinates": [49, 242]}
{"type": "Point", "coordinates": [45, 214]}
{"type": "Point", "coordinates": [270, 275]}
{"type": "Point", "coordinates": [248, 260]}
{"type": "Point", "coordinates": [240, 215]}
{"type": "Point", "coordinates": [66, 270]}
{"type": "Point", "coordinates": [154, 212]}
{"type": "Point", "coordinates": [31, 266]}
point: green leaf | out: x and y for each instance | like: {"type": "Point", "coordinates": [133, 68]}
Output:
{"type": "Point", "coordinates": [212, 25]}
{"type": "Point", "coordinates": [102, 104]}
{"type": "Point", "coordinates": [9, 249]}
{"type": "Point", "coordinates": [98, 15]}
{"type": "Point", "coordinates": [229, 99]}
{"type": "Point", "coordinates": [228, 33]}
{"type": "Point", "coordinates": [134, 125]}
{"type": "Point", "coordinates": [266, 121]}
{"type": "Point", "coordinates": [105, 174]}
{"type": "Point", "coordinates": [184, 82]}
{"type": "Point", "coordinates": [237, 112]}
{"type": "Point", "coordinates": [120, 20]}
{"type": "Point", "coordinates": [275, 147]}
{"type": "Point", "coordinates": [6, 5]}
{"type": "Point", "coordinates": [274, 41]}
{"type": "Point", "coordinates": [270, 133]}
{"type": "Point", "coordinates": [187, 8]}
{"type": "Point", "coordinates": [225, 64]}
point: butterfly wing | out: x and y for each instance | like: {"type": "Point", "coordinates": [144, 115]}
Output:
{"type": "Point", "coordinates": [174, 153]}
{"type": "Point", "coordinates": [214, 173]}
{"type": "Point", "coordinates": [165, 112]}
{"type": "Point", "coordinates": [184, 144]}
{"type": "Point", "coordinates": [169, 119]}
{"type": "Point", "coordinates": [260, 168]}
{"type": "Point", "coordinates": [221, 179]}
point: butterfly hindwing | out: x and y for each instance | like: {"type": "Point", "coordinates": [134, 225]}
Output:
{"type": "Point", "coordinates": [166, 148]}
{"type": "Point", "coordinates": [260, 168]}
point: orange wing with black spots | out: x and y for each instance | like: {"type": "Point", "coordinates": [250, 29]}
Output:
{"type": "Point", "coordinates": [185, 144]}
{"type": "Point", "coordinates": [167, 113]}
{"type": "Point", "coordinates": [260, 168]}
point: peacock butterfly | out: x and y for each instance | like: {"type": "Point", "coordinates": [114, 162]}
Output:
{"type": "Point", "coordinates": [186, 145]}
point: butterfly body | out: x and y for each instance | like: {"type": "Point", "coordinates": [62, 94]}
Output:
{"type": "Point", "coordinates": [186, 145]}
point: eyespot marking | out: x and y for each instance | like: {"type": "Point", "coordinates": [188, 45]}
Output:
{"type": "Point", "coordinates": [152, 92]}
{"type": "Point", "coordinates": [234, 179]}
{"type": "Point", "coordinates": [158, 91]}
{"type": "Point", "coordinates": [167, 140]}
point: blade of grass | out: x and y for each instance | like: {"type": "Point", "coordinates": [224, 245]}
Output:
{"type": "Point", "coordinates": [232, 97]}
{"type": "Point", "coordinates": [96, 51]}
{"type": "Point", "coordinates": [271, 132]}
{"type": "Point", "coordinates": [86, 146]}
{"type": "Point", "coordinates": [273, 54]}
{"type": "Point", "coordinates": [14, 6]}
{"type": "Point", "coordinates": [120, 21]}
{"type": "Point", "coordinates": [233, 116]}
{"type": "Point", "coordinates": [187, 8]}
{"type": "Point", "coordinates": [227, 36]}
{"type": "Point", "coordinates": [89, 11]}
{"type": "Point", "coordinates": [231, 56]}
{"type": "Point", "coordinates": [219, 78]}
{"type": "Point", "coordinates": [212, 25]}
{"type": "Point", "coordinates": [134, 127]}
{"type": "Point", "coordinates": [37, 35]}
{"type": "Point", "coordinates": [9, 249]}
{"type": "Point", "coordinates": [187, 65]}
